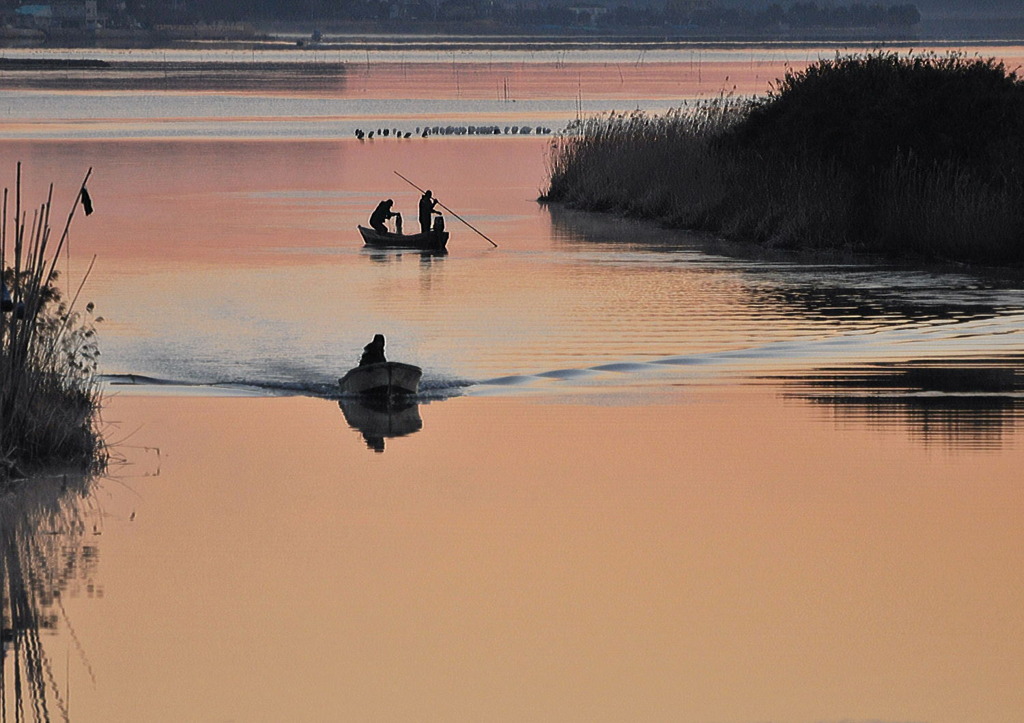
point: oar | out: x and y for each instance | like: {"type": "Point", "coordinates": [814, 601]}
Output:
{"type": "Point", "coordinates": [447, 209]}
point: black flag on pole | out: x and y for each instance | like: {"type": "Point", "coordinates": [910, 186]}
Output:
{"type": "Point", "coordinates": [86, 201]}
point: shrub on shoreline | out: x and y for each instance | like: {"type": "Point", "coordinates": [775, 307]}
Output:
{"type": "Point", "coordinates": [920, 155]}
{"type": "Point", "coordinates": [49, 398]}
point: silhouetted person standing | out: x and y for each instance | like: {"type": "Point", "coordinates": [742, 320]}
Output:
{"type": "Point", "coordinates": [381, 214]}
{"type": "Point", "coordinates": [373, 353]}
{"type": "Point", "coordinates": [427, 203]}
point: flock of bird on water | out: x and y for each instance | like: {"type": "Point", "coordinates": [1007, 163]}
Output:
{"type": "Point", "coordinates": [454, 131]}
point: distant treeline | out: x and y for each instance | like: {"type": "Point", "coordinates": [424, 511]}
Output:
{"type": "Point", "coordinates": [775, 18]}
{"type": "Point", "coordinates": [801, 15]}
{"type": "Point", "coordinates": [561, 13]}
{"type": "Point", "coordinates": [881, 152]}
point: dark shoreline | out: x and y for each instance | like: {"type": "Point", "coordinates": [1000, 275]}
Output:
{"type": "Point", "coordinates": [471, 39]}
{"type": "Point", "coordinates": [168, 75]}
{"type": "Point", "coordinates": [51, 63]}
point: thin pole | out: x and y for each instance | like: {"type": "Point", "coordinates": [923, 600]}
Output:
{"type": "Point", "coordinates": [447, 209]}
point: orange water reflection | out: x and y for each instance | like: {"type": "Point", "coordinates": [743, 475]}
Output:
{"type": "Point", "coordinates": [686, 561]}
{"type": "Point", "coordinates": [221, 261]}
{"type": "Point", "coordinates": [687, 76]}
{"type": "Point", "coordinates": [233, 202]}
{"type": "Point", "coordinates": [689, 71]}
{"type": "Point", "coordinates": [691, 77]}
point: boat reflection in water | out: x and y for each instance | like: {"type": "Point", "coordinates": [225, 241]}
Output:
{"type": "Point", "coordinates": [959, 403]}
{"type": "Point", "coordinates": [387, 256]}
{"type": "Point", "coordinates": [44, 556]}
{"type": "Point", "coordinates": [379, 418]}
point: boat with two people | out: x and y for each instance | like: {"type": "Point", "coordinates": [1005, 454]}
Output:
{"type": "Point", "coordinates": [432, 236]}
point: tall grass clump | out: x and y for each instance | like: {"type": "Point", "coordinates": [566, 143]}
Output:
{"type": "Point", "coordinates": [641, 165]}
{"type": "Point", "coordinates": [919, 155]}
{"type": "Point", "coordinates": [49, 397]}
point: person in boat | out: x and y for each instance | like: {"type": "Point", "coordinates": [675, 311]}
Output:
{"type": "Point", "coordinates": [373, 353]}
{"type": "Point", "coordinates": [427, 203]}
{"type": "Point", "coordinates": [381, 214]}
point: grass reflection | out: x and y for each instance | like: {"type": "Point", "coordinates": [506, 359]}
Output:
{"type": "Point", "coordinates": [969, 404]}
{"type": "Point", "coordinates": [44, 554]}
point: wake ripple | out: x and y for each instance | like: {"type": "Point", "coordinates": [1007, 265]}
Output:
{"type": "Point", "coordinates": [999, 337]}
{"type": "Point", "coordinates": [430, 389]}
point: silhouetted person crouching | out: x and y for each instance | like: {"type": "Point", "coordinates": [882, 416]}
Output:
{"type": "Point", "coordinates": [381, 214]}
{"type": "Point", "coordinates": [373, 353]}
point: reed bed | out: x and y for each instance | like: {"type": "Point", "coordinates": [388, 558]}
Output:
{"type": "Point", "coordinates": [884, 153]}
{"type": "Point", "coordinates": [642, 165]}
{"type": "Point", "coordinates": [49, 396]}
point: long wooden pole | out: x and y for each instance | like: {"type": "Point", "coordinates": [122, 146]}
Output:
{"type": "Point", "coordinates": [447, 209]}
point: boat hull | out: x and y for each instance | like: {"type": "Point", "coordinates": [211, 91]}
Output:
{"type": "Point", "coordinates": [431, 240]}
{"type": "Point", "coordinates": [385, 379]}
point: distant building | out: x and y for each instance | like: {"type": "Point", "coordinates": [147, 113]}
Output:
{"type": "Point", "coordinates": [686, 7]}
{"type": "Point", "coordinates": [587, 15]}
{"type": "Point", "coordinates": [34, 16]}
{"type": "Point", "coordinates": [61, 14]}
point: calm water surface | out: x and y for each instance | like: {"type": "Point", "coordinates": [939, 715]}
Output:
{"type": "Point", "coordinates": [651, 478]}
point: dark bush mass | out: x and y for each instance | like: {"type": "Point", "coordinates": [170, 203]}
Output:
{"type": "Point", "coordinates": [864, 111]}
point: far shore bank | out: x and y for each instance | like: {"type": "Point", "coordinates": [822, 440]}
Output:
{"type": "Point", "coordinates": [487, 36]}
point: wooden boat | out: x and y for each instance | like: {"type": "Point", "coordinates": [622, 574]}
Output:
{"type": "Point", "coordinates": [385, 379]}
{"type": "Point", "coordinates": [433, 239]}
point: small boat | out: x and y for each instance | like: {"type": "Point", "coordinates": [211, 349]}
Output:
{"type": "Point", "coordinates": [384, 379]}
{"type": "Point", "coordinates": [432, 239]}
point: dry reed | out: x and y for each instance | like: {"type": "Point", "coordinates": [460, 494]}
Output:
{"type": "Point", "coordinates": [49, 398]}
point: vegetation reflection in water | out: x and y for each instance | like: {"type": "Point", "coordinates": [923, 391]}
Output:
{"type": "Point", "coordinates": [822, 300]}
{"type": "Point", "coordinates": [931, 352]}
{"type": "Point", "coordinates": [961, 403]}
{"type": "Point", "coordinates": [45, 554]}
